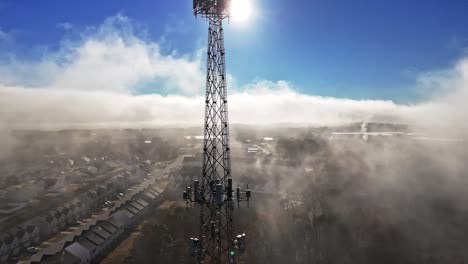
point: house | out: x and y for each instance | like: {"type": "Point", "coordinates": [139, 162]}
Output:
{"type": "Point", "coordinates": [47, 225]}
{"type": "Point", "coordinates": [122, 182]}
{"type": "Point", "coordinates": [111, 164]}
{"type": "Point", "coordinates": [80, 209]}
{"type": "Point", "coordinates": [156, 189]}
{"type": "Point", "coordinates": [32, 227]}
{"type": "Point", "coordinates": [33, 234]}
{"type": "Point", "coordinates": [111, 190]}
{"type": "Point", "coordinates": [102, 233]}
{"type": "Point", "coordinates": [252, 150]}
{"type": "Point", "coordinates": [74, 212]}
{"type": "Point", "coordinates": [67, 214]}
{"type": "Point", "coordinates": [21, 235]}
{"type": "Point", "coordinates": [121, 219]}
{"type": "Point", "coordinates": [142, 203]}
{"type": "Point", "coordinates": [3, 251]}
{"type": "Point", "coordinates": [94, 243]}
{"type": "Point", "coordinates": [149, 189]}
{"type": "Point", "coordinates": [92, 194]}
{"type": "Point", "coordinates": [64, 257]}
{"type": "Point", "coordinates": [136, 205]}
{"type": "Point", "coordinates": [99, 245]}
{"type": "Point", "coordinates": [89, 246]}
{"type": "Point", "coordinates": [132, 210]}
{"type": "Point", "coordinates": [83, 161]}
{"type": "Point", "coordinates": [60, 219]}
{"type": "Point", "coordinates": [153, 192]}
{"type": "Point", "coordinates": [113, 230]}
{"type": "Point", "coordinates": [102, 193]}
{"type": "Point", "coordinates": [148, 196]}
{"type": "Point", "coordinates": [79, 251]}
{"type": "Point", "coordinates": [11, 243]}
{"type": "Point", "coordinates": [91, 170]}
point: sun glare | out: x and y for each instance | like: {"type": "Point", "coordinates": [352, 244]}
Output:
{"type": "Point", "coordinates": [241, 10]}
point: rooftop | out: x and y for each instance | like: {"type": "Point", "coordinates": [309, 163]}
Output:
{"type": "Point", "coordinates": [91, 236]}
{"type": "Point", "coordinates": [86, 243]}
{"type": "Point", "coordinates": [132, 210]}
{"type": "Point", "coordinates": [101, 232]}
{"type": "Point", "coordinates": [78, 250]}
{"type": "Point", "coordinates": [108, 227]}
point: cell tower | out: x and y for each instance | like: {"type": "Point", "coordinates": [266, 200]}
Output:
{"type": "Point", "coordinates": [215, 195]}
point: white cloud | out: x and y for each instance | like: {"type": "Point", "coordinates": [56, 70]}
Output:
{"type": "Point", "coordinates": [65, 25]}
{"type": "Point", "coordinates": [447, 106]}
{"type": "Point", "coordinates": [264, 104]}
{"type": "Point", "coordinates": [24, 107]}
{"type": "Point", "coordinates": [267, 102]}
{"type": "Point", "coordinates": [92, 83]}
{"type": "Point", "coordinates": [111, 57]}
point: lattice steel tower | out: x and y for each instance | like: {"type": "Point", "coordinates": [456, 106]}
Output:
{"type": "Point", "coordinates": [217, 242]}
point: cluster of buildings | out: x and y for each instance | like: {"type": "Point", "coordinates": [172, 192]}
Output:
{"type": "Point", "coordinates": [101, 238]}
{"type": "Point", "coordinates": [92, 240]}
{"type": "Point", "coordinates": [13, 240]}
{"type": "Point", "coordinates": [22, 236]}
{"type": "Point", "coordinates": [29, 233]}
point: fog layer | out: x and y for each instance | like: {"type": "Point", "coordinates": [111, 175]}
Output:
{"type": "Point", "coordinates": [113, 75]}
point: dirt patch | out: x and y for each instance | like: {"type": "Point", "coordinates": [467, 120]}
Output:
{"type": "Point", "coordinates": [121, 253]}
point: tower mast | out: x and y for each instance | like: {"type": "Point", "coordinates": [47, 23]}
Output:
{"type": "Point", "coordinates": [214, 194]}
{"type": "Point", "coordinates": [215, 219]}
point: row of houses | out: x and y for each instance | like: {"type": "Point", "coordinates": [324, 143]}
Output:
{"type": "Point", "coordinates": [30, 233]}
{"type": "Point", "coordinates": [18, 238]}
{"type": "Point", "coordinates": [103, 235]}
{"type": "Point", "coordinates": [97, 242]}
{"type": "Point", "coordinates": [12, 241]}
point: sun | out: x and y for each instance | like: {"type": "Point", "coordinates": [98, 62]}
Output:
{"type": "Point", "coordinates": [241, 10]}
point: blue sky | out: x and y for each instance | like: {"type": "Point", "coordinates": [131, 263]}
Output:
{"type": "Point", "coordinates": [346, 49]}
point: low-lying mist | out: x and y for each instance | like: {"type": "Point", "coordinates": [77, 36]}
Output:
{"type": "Point", "coordinates": [387, 200]}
